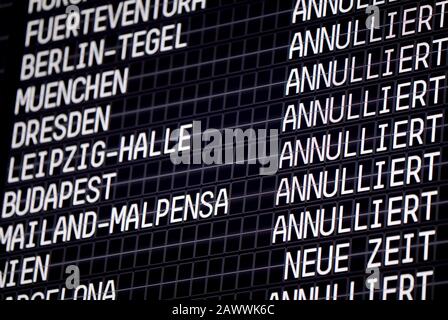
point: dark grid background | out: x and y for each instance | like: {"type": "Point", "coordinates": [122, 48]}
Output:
{"type": "Point", "coordinates": [232, 74]}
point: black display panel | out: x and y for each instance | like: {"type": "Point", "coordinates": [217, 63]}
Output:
{"type": "Point", "coordinates": [223, 149]}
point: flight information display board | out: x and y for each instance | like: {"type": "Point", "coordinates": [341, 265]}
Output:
{"type": "Point", "coordinates": [223, 149]}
